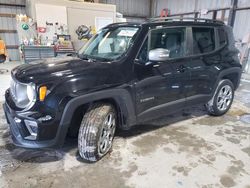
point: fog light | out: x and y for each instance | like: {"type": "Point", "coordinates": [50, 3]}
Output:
{"type": "Point", "coordinates": [17, 120]}
{"type": "Point", "coordinates": [45, 118]}
{"type": "Point", "coordinates": [32, 128]}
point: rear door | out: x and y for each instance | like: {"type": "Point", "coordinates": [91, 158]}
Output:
{"type": "Point", "coordinates": [202, 64]}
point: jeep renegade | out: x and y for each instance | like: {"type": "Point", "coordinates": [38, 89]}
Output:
{"type": "Point", "coordinates": [126, 74]}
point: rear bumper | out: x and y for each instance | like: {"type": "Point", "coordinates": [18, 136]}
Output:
{"type": "Point", "coordinates": [19, 131]}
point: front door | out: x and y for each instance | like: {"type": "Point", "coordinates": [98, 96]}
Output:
{"type": "Point", "coordinates": [160, 86]}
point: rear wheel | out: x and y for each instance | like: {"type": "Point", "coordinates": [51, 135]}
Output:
{"type": "Point", "coordinates": [222, 99]}
{"type": "Point", "coordinates": [97, 131]}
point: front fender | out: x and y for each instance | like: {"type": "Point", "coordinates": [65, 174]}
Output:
{"type": "Point", "coordinates": [122, 97]}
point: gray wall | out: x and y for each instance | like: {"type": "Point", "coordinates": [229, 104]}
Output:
{"type": "Point", "coordinates": [181, 6]}
{"type": "Point", "coordinates": [242, 23]}
{"type": "Point", "coordinates": [138, 10]}
{"type": "Point", "coordinates": [133, 10]}
{"type": "Point", "coordinates": [241, 26]}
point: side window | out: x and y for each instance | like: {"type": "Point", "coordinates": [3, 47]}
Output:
{"type": "Point", "coordinates": [143, 54]}
{"type": "Point", "coordinates": [172, 39]}
{"type": "Point", "coordinates": [222, 37]}
{"type": "Point", "coordinates": [203, 40]}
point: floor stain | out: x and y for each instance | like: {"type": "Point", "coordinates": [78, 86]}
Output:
{"type": "Point", "coordinates": [219, 133]}
{"type": "Point", "coordinates": [186, 142]}
{"type": "Point", "coordinates": [237, 168]}
{"type": "Point", "coordinates": [181, 169]}
{"type": "Point", "coordinates": [211, 157]}
{"type": "Point", "coordinates": [167, 150]}
{"type": "Point", "coordinates": [90, 176]}
{"type": "Point", "coordinates": [236, 112]}
{"type": "Point", "coordinates": [149, 143]}
{"type": "Point", "coordinates": [233, 140]}
{"type": "Point", "coordinates": [211, 121]}
{"type": "Point", "coordinates": [227, 181]}
{"type": "Point", "coordinates": [247, 151]}
{"type": "Point", "coordinates": [131, 169]}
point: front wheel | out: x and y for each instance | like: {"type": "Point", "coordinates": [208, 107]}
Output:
{"type": "Point", "coordinates": [97, 131]}
{"type": "Point", "coordinates": [222, 99]}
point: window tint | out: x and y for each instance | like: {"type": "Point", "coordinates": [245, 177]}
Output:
{"type": "Point", "coordinates": [222, 37]}
{"type": "Point", "coordinates": [169, 38]}
{"type": "Point", "coordinates": [203, 40]}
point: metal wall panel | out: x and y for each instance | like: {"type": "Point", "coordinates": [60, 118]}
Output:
{"type": "Point", "coordinates": [15, 2]}
{"type": "Point", "coordinates": [175, 6]}
{"type": "Point", "coordinates": [212, 4]}
{"type": "Point", "coordinates": [242, 24]}
{"type": "Point", "coordinates": [8, 23]}
{"type": "Point", "coordinates": [243, 3]}
{"type": "Point", "coordinates": [14, 54]}
{"type": "Point", "coordinates": [136, 20]}
{"type": "Point", "coordinates": [131, 7]}
{"type": "Point", "coordinates": [182, 6]}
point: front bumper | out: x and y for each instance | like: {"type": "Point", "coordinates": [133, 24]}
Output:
{"type": "Point", "coordinates": [21, 135]}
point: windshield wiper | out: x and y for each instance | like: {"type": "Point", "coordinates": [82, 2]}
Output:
{"type": "Point", "coordinates": [95, 58]}
{"type": "Point", "coordinates": [103, 59]}
{"type": "Point", "coordinates": [87, 57]}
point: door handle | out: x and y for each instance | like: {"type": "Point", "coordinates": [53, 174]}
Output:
{"type": "Point", "coordinates": [181, 68]}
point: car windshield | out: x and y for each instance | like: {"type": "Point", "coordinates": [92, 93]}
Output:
{"type": "Point", "coordinates": [109, 44]}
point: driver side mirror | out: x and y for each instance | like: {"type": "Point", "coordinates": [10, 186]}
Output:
{"type": "Point", "coordinates": [158, 55]}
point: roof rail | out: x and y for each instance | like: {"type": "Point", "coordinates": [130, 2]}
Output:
{"type": "Point", "coordinates": [172, 19]}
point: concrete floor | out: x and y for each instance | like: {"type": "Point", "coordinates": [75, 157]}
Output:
{"type": "Point", "coordinates": [188, 149]}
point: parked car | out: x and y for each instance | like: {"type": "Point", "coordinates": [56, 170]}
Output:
{"type": "Point", "coordinates": [127, 74]}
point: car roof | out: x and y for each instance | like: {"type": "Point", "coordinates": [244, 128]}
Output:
{"type": "Point", "coordinates": [154, 22]}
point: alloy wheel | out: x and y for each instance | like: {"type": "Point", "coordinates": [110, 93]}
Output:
{"type": "Point", "coordinates": [107, 134]}
{"type": "Point", "coordinates": [224, 98]}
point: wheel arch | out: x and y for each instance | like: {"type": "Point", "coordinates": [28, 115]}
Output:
{"type": "Point", "coordinates": [120, 98]}
{"type": "Point", "coordinates": [233, 77]}
{"type": "Point", "coordinates": [233, 74]}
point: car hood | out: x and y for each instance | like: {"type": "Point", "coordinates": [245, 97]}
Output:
{"type": "Point", "coordinates": [61, 69]}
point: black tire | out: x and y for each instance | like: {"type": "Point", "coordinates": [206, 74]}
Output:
{"type": "Point", "coordinates": [2, 58]}
{"type": "Point", "coordinates": [94, 131]}
{"type": "Point", "coordinates": [215, 106]}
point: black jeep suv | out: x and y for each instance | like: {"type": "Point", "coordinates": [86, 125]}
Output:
{"type": "Point", "coordinates": [126, 74]}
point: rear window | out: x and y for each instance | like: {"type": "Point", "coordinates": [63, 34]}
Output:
{"type": "Point", "coordinates": [203, 40]}
{"type": "Point", "coordinates": [222, 37]}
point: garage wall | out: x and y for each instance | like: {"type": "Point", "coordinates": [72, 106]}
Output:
{"type": "Point", "coordinates": [8, 11]}
{"type": "Point", "coordinates": [30, 6]}
{"type": "Point", "coordinates": [181, 6]}
{"type": "Point", "coordinates": [78, 13]}
{"type": "Point", "coordinates": [241, 25]}
{"type": "Point", "coordinates": [82, 14]}
{"type": "Point", "coordinates": [133, 10]}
